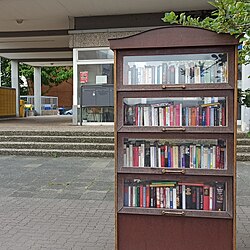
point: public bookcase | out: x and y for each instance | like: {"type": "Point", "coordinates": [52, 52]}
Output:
{"type": "Point", "coordinates": [175, 139]}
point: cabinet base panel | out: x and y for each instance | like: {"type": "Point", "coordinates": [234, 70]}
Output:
{"type": "Point", "coordinates": [140, 232]}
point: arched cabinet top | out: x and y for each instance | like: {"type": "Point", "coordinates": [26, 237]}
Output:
{"type": "Point", "coordinates": [173, 36]}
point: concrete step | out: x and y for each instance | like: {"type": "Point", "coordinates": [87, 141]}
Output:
{"type": "Point", "coordinates": [243, 157]}
{"type": "Point", "coordinates": [57, 153]}
{"type": "Point", "coordinates": [56, 133]}
{"type": "Point", "coordinates": [70, 139]}
{"type": "Point", "coordinates": [243, 135]}
{"type": "Point", "coordinates": [243, 141]}
{"type": "Point", "coordinates": [57, 145]}
{"type": "Point", "coordinates": [243, 148]}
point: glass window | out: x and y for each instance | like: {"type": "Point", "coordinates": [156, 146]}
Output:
{"type": "Point", "coordinates": [95, 54]}
{"type": "Point", "coordinates": [175, 69]}
{"type": "Point", "coordinates": [176, 111]}
{"type": "Point", "coordinates": [96, 74]}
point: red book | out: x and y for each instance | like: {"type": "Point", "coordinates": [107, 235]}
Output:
{"type": "Point", "coordinates": [171, 157]}
{"type": "Point", "coordinates": [162, 156]}
{"type": "Point", "coordinates": [171, 115]}
{"type": "Point", "coordinates": [147, 196]}
{"type": "Point", "coordinates": [223, 118]}
{"type": "Point", "coordinates": [164, 116]}
{"type": "Point", "coordinates": [136, 116]}
{"type": "Point", "coordinates": [222, 158]}
{"type": "Point", "coordinates": [206, 197]}
{"type": "Point", "coordinates": [141, 195]}
{"type": "Point", "coordinates": [193, 116]}
{"type": "Point", "coordinates": [217, 157]}
{"type": "Point", "coordinates": [135, 156]}
{"type": "Point", "coordinates": [197, 116]}
{"type": "Point", "coordinates": [208, 116]}
{"type": "Point", "coordinates": [177, 115]}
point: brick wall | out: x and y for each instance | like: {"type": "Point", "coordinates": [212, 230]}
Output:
{"type": "Point", "coordinates": [63, 91]}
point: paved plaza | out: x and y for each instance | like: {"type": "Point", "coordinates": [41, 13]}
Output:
{"type": "Point", "coordinates": [68, 203]}
{"type": "Point", "coordinates": [56, 203]}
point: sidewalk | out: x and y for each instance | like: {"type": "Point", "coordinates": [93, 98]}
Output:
{"type": "Point", "coordinates": [56, 203]}
{"type": "Point", "coordinates": [68, 203]}
{"type": "Point", "coordinates": [49, 123]}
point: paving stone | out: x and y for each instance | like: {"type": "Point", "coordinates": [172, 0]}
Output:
{"type": "Point", "coordinates": [37, 215]}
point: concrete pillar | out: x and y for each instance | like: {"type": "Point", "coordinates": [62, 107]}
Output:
{"type": "Point", "coordinates": [75, 89]}
{"type": "Point", "coordinates": [245, 112]}
{"type": "Point", "coordinates": [37, 89]}
{"type": "Point", "coordinates": [15, 83]}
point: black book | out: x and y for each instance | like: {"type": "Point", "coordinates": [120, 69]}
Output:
{"type": "Point", "coordinates": [219, 196]}
{"type": "Point", "coordinates": [181, 74]}
{"type": "Point", "coordinates": [147, 154]}
{"type": "Point", "coordinates": [179, 196]}
{"type": "Point", "coordinates": [129, 115]}
{"type": "Point", "coordinates": [152, 197]}
{"type": "Point", "coordinates": [188, 194]}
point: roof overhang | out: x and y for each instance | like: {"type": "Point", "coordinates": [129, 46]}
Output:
{"type": "Point", "coordinates": [37, 32]}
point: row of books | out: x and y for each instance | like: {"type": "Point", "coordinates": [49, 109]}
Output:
{"type": "Point", "coordinates": [169, 114]}
{"type": "Point", "coordinates": [155, 154]}
{"type": "Point", "coordinates": [175, 195]}
{"type": "Point", "coordinates": [177, 73]}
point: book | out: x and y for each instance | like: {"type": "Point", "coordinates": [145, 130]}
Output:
{"type": "Point", "coordinates": [219, 196]}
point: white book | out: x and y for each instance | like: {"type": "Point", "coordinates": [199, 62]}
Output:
{"type": "Point", "coordinates": [214, 158]}
{"type": "Point", "coordinates": [156, 116]}
{"type": "Point", "coordinates": [197, 74]}
{"type": "Point", "coordinates": [176, 80]}
{"type": "Point", "coordinates": [159, 74]}
{"type": "Point", "coordinates": [191, 150]}
{"type": "Point", "coordinates": [168, 197]}
{"type": "Point", "coordinates": [127, 156]}
{"type": "Point", "coordinates": [142, 155]}
{"type": "Point", "coordinates": [159, 156]}
{"type": "Point", "coordinates": [129, 78]}
{"type": "Point", "coordinates": [139, 158]}
{"type": "Point", "coordinates": [211, 198]}
{"type": "Point", "coordinates": [161, 116]}
{"type": "Point", "coordinates": [153, 116]}
{"type": "Point", "coordinates": [206, 157]}
{"type": "Point", "coordinates": [180, 114]}
{"type": "Point", "coordinates": [174, 198]}
{"type": "Point", "coordinates": [146, 116]}
{"type": "Point", "coordinates": [183, 197]}
{"type": "Point", "coordinates": [202, 156]}
{"type": "Point", "coordinates": [167, 116]}
{"type": "Point", "coordinates": [175, 157]}
{"type": "Point", "coordinates": [152, 156]}
{"type": "Point", "coordinates": [161, 197]}
{"type": "Point", "coordinates": [133, 196]}
{"type": "Point", "coordinates": [140, 75]}
{"type": "Point", "coordinates": [155, 156]}
{"type": "Point", "coordinates": [211, 116]}
{"type": "Point", "coordinates": [130, 155]}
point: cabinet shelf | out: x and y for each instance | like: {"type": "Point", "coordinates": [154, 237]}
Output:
{"type": "Point", "coordinates": [167, 87]}
{"type": "Point", "coordinates": [175, 212]}
{"type": "Point", "coordinates": [175, 137]}
{"type": "Point", "coordinates": [167, 172]}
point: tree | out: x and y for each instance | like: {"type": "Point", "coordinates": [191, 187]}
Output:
{"type": "Point", "coordinates": [51, 76]}
{"type": "Point", "coordinates": [229, 16]}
